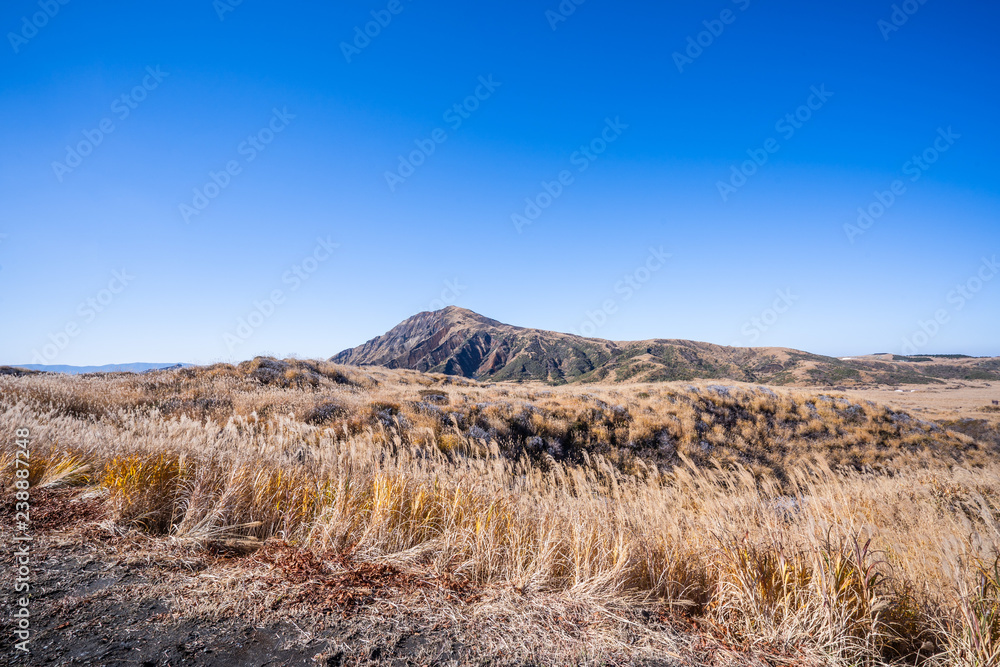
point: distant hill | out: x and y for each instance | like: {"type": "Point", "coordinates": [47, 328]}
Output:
{"type": "Point", "coordinates": [457, 341]}
{"type": "Point", "coordinates": [139, 367]}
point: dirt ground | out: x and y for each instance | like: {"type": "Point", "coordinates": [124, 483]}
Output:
{"type": "Point", "coordinates": [955, 400]}
{"type": "Point", "coordinates": [100, 597]}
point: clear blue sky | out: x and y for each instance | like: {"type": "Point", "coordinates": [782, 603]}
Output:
{"type": "Point", "coordinates": [309, 117]}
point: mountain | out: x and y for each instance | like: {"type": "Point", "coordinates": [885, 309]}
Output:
{"type": "Point", "coordinates": [456, 341]}
{"type": "Point", "coordinates": [138, 367]}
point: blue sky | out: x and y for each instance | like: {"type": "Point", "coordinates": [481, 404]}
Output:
{"type": "Point", "coordinates": [276, 181]}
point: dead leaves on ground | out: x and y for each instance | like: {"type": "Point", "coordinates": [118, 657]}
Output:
{"type": "Point", "coordinates": [328, 582]}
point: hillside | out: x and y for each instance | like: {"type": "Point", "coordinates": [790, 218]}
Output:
{"type": "Point", "coordinates": [295, 512]}
{"type": "Point", "coordinates": [456, 341]}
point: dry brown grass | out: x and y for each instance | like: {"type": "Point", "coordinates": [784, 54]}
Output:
{"type": "Point", "coordinates": [845, 532]}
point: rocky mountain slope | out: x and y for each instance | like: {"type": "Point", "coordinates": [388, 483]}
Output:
{"type": "Point", "coordinates": [456, 341]}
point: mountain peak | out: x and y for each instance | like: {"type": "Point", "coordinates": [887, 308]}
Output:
{"type": "Point", "coordinates": [458, 341]}
{"type": "Point", "coordinates": [456, 313]}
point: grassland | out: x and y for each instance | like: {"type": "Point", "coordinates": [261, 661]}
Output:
{"type": "Point", "coordinates": [666, 523]}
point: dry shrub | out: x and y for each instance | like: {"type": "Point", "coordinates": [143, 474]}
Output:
{"type": "Point", "coordinates": [145, 489]}
{"type": "Point", "coordinates": [974, 636]}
